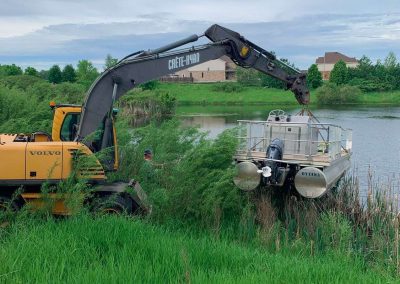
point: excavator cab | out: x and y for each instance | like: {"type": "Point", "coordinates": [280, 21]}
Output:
{"type": "Point", "coordinates": [65, 126]}
{"type": "Point", "coordinates": [65, 121]}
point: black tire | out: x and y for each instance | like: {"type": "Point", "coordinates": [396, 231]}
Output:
{"type": "Point", "coordinates": [6, 204]}
{"type": "Point", "coordinates": [113, 204]}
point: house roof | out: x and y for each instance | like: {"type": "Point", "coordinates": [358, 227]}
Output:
{"type": "Point", "coordinates": [333, 57]}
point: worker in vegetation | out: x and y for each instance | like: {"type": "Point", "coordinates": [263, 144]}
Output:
{"type": "Point", "coordinates": [147, 171]}
{"type": "Point", "coordinates": [148, 155]}
{"type": "Point", "coordinates": [150, 170]}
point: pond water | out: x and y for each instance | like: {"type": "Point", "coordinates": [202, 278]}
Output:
{"type": "Point", "coordinates": [376, 134]}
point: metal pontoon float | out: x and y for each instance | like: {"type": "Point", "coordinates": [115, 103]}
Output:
{"type": "Point", "coordinates": [294, 150]}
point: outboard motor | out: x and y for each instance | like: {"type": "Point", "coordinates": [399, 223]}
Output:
{"type": "Point", "coordinates": [274, 152]}
{"type": "Point", "coordinates": [251, 174]}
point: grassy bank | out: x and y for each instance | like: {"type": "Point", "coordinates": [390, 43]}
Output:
{"type": "Point", "coordinates": [202, 228]}
{"type": "Point", "coordinates": [389, 98]}
{"type": "Point", "coordinates": [121, 250]}
{"type": "Point", "coordinates": [208, 94]}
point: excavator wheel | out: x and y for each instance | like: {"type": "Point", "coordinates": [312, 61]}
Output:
{"type": "Point", "coordinates": [114, 204]}
{"type": "Point", "coordinates": [7, 204]}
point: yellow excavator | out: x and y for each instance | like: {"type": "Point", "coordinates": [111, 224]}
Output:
{"type": "Point", "coordinates": [30, 160]}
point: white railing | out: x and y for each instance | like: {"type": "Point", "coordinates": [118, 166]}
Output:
{"type": "Point", "coordinates": [300, 139]}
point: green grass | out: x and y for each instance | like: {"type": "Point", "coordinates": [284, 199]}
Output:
{"type": "Point", "coordinates": [392, 98]}
{"type": "Point", "coordinates": [205, 94]}
{"type": "Point", "coordinates": [122, 250]}
{"type": "Point", "coordinates": [193, 190]}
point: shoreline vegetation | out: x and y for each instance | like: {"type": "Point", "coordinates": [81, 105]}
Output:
{"type": "Point", "coordinates": [210, 94]}
{"type": "Point", "coordinates": [202, 228]}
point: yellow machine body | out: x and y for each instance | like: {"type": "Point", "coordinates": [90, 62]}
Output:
{"type": "Point", "coordinates": [29, 160]}
{"type": "Point", "coordinates": [28, 163]}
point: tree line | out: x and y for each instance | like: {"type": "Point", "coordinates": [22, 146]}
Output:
{"type": "Point", "coordinates": [84, 73]}
{"type": "Point", "coordinates": [369, 77]}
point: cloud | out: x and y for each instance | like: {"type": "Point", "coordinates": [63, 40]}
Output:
{"type": "Point", "coordinates": [300, 39]}
{"type": "Point", "coordinates": [33, 15]}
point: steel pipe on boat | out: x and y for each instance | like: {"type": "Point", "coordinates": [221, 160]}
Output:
{"type": "Point", "coordinates": [312, 182]}
{"type": "Point", "coordinates": [247, 178]}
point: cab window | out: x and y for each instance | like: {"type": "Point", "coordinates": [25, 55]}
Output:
{"type": "Point", "coordinates": [69, 127]}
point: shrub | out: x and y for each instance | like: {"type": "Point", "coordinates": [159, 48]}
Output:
{"type": "Point", "coordinates": [150, 85]}
{"type": "Point", "coordinates": [370, 85]}
{"type": "Point", "coordinates": [191, 177]}
{"type": "Point", "coordinates": [333, 94]}
{"type": "Point", "coordinates": [42, 90]}
{"type": "Point", "coordinates": [21, 82]}
{"type": "Point", "coordinates": [167, 103]}
{"type": "Point", "coordinates": [20, 112]}
{"type": "Point", "coordinates": [70, 92]}
{"type": "Point", "coordinates": [24, 102]}
{"type": "Point", "coordinates": [147, 103]}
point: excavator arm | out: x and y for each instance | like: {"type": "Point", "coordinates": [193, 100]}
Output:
{"type": "Point", "coordinates": [144, 66]}
{"type": "Point", "coordinates": [247, 54]}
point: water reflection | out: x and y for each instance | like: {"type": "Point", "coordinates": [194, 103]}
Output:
{"type": "Point", "coordinates": [214, 125]}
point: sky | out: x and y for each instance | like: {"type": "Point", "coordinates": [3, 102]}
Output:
{"type": "Point", "coordinates": [41, 33]}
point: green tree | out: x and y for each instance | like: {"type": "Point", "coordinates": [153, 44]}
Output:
{"type": "Point", "coordinates": [13, 70]}
{"type": "Point", "coordinates": [365, 68]}
{"type": "Point", "coordinates": [68, 74]}
{"type": "Point", "coordinates": [110, 61]}
{"type": "Point", "coordinates": [150, 85]}
{"type": "Point", "coordinates": [390, 61]}
{"type": "Point", "coordinates": [31, 71]}
{"type": "Point", "coordinates": [44, 74]}
{"type": "Point", "coordinates": [247, 77]}
{"type": "Point", "coordinates": [339, 73]}
{"type": "Point", "coordinates": [55, 75]}
{"type": "Point", "coordinates": [314, 77]}
{"type": "Point", "coordinates": [10, 70]}
{"type": "Point", "coordinates": [392, 71]}
{"type": "Point", "coordinates": [86, 73]}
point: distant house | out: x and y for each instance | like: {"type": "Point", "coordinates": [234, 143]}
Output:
{"type": "Point", "coordinates": [218, 70]}
{"type": "Point", "coordinates": [325, 64]}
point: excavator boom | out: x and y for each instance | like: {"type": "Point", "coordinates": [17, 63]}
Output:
{"type": "Point", "coordinates": [30, 160]}
{"type": "Point", "coordinates": [144, 66]}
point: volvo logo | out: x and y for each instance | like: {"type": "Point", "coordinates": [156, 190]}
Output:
{"type": "Point", "coordinates": [45, 153]}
